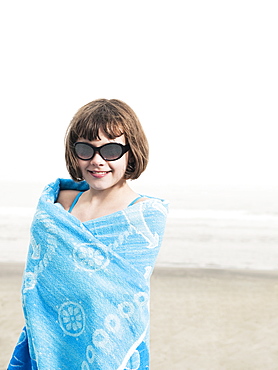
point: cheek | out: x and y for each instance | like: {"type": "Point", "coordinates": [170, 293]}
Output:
{"type": "Point", "coordinates": [80, 164]}
{"type": "Point", "coordinates": [121, 166]}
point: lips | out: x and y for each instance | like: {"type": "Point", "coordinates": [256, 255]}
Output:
{"type": "Point", "coordinates": [99, 174]}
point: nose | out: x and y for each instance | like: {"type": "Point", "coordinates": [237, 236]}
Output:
{"type": "Point", "coordinates": [97, 160]}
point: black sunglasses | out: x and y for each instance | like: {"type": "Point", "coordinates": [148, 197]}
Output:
{"type": "Point", "coordinates": [108, 152]}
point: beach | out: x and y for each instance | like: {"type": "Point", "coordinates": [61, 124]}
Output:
{"type": "Point", "coordinates": [200, 318]}
{"type": "Point", "coordinates": [214, 290]}
{"type": "Point", "coordinates": [204, 319]}
{"type": "Point", "coordinates": [202, 79]}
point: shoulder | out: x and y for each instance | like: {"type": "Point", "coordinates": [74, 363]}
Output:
{"type": "Point", "coordinates": [140, 199]}
{"type": "Point", "coordinates": [154, 212]}
{"type": "Point", "coordinates": [66, 197]}
{"type": "Point", "coordinates": [155, 207]}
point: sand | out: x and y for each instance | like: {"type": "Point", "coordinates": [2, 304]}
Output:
{"type": "Point", "coordinates": [201, 319]}
{"type": "Point", "coordinates": [11, 317]}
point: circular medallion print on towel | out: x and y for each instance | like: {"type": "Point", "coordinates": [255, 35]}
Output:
{"type": "Point", "coordinates": [72, 318]}
{"type": "Point", "coordinates": [90, 258]}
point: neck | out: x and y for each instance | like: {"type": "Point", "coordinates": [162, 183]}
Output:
{"type": "Point", "coordinates": [112, 195]}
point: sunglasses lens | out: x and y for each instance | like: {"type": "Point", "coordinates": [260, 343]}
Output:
{"type": "Point", "coordinates": [84, 151]}
{"type": "Point", "coordinates": [111, 152]}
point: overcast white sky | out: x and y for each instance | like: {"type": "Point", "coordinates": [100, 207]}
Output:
{"type": "Point", "coordinates": [201, 75]}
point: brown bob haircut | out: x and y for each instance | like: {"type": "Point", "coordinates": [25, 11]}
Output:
{"type": "Point", "coordinates": [114, 118]}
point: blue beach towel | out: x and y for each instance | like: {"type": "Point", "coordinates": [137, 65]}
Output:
{"type": "Point", "coordinates": [86, 286]}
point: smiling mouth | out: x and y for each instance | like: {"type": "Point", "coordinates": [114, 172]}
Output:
{"type": "Point", "coordinates": [100, 172]}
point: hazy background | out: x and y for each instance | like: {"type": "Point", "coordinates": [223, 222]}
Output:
{"type": "Point", "coordinates": [201, 75]}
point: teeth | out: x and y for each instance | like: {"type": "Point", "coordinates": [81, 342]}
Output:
{"type": "Point", "coordinates": [99, 173]}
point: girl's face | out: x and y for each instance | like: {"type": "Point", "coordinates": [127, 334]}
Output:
{"type": "Point", "coordinates": [99, 173]}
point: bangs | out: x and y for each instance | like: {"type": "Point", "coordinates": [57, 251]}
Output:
{"type": "Point", "coordinates": [90, 130]}
{"type": "Point", "coordinates": [109, 121]}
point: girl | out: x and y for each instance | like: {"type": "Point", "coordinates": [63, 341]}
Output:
{"type": "Point", "coordinates": [94, 242]}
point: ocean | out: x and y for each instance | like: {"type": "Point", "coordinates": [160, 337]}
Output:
{"type": "Point", "coordinates": [213, 227]}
